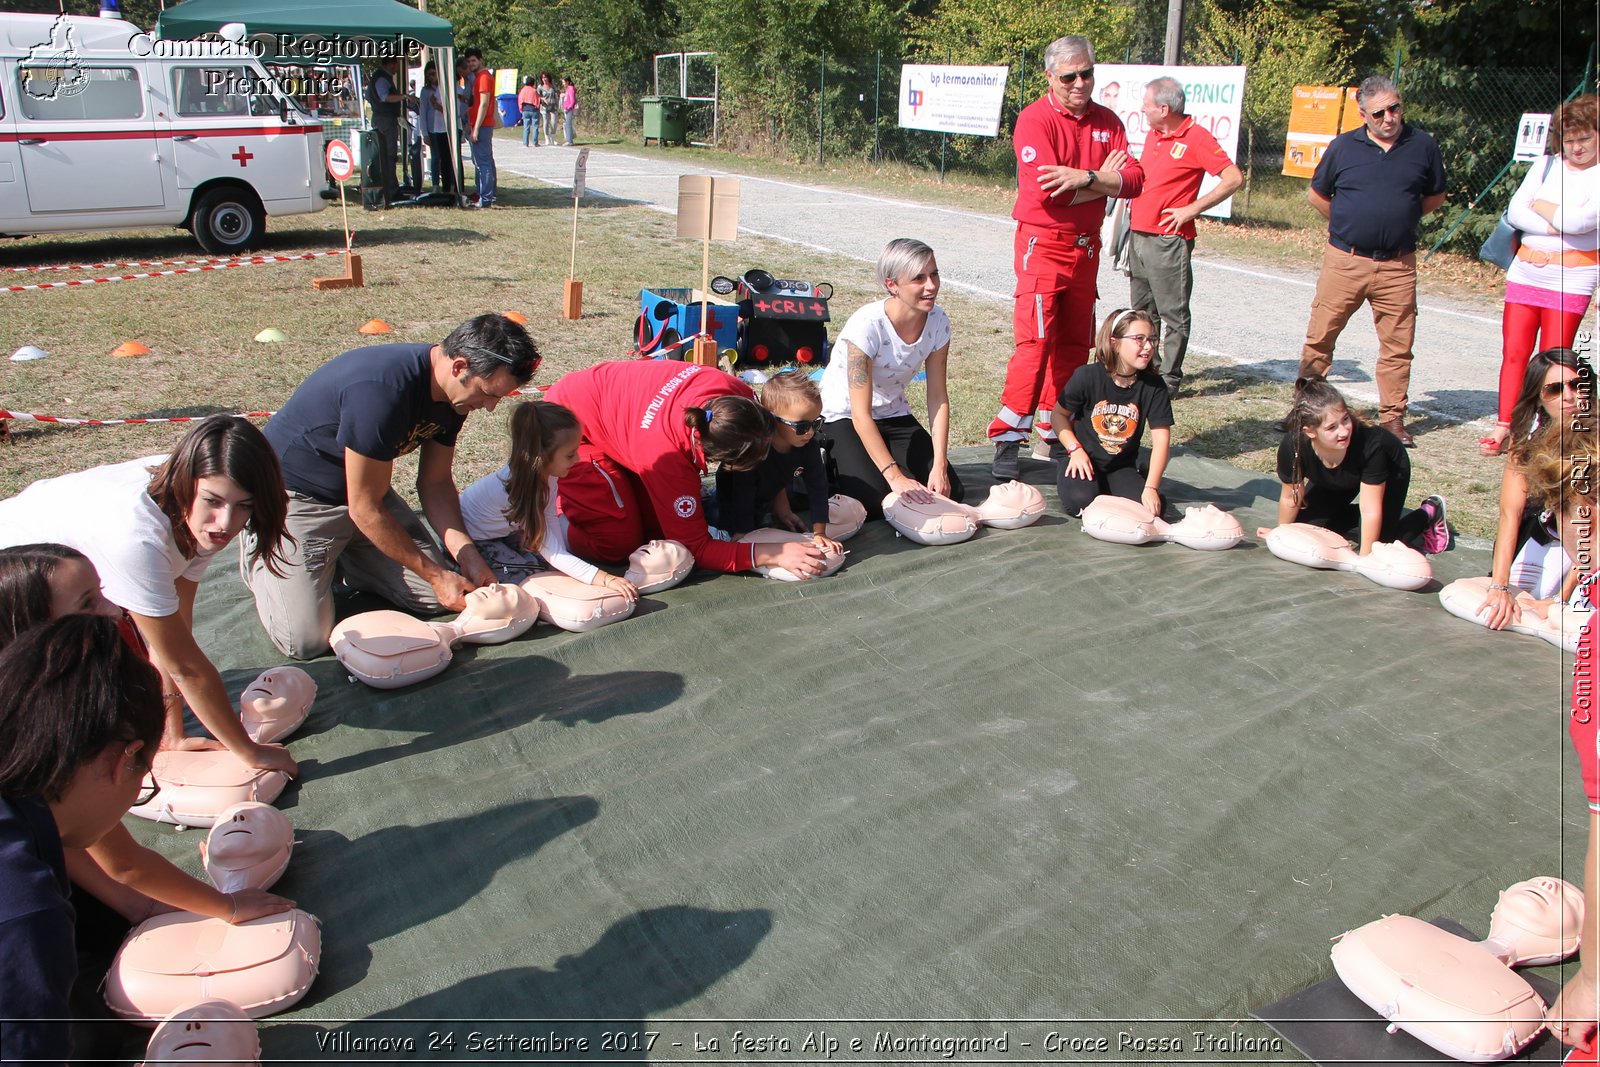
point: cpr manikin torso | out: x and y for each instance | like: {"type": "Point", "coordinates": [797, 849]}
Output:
{"type": "Point", "coordinates": [197, 786]}
{"type": "Point", "coordinates": [390, 649]}
{"type": "Point", "coordinates": [1558, 623]}
{"type": "Point", "coordinates": [1458, 996]}
{"type": "Point", "coordinates": [942, 521]}
{"type": "Point", "coordinates": [1390, 563]}
{"type": "Point", "coordinates": [1129, 522]}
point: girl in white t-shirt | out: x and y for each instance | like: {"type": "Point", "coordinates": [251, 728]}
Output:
{"type": "Point", "coordinates": [151, 527]}
{"type": "Point", "coordinates": [878, 446]}
{"type": "Point", "coordinates": [511, 514]}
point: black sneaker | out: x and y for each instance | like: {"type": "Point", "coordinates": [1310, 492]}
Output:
{"type": "Point", "coordinates": [1007, 461]}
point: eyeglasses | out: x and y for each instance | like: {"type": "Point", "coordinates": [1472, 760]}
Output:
{"type": "Point", "coordinates": [1140, 339]}
{"type": "Point", "coordinates": [1381, 112]}
{"type": "Point", "coordinates": [802, 428]}
{"type": "Point", "coordinates": [147, 792]}
{"type": "Point", "coordinates": [1551, 390]}
{"type": "Point", "coordinates": [1084, 75]}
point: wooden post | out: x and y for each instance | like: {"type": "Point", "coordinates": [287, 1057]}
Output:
{"type": "Point", "coordinates": [352, 277]}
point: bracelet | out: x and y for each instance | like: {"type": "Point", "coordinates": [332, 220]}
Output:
{"type": "Point", "coordinates": [1499, 587]}
{"type": "Point", "coordinates": [886, 466]}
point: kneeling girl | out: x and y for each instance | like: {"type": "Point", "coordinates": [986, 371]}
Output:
{"type": "Point", "coordinates": [1101, 417]}
{"type": "Point", "coordinates": [511, 514]}
{"type": "Point", "coordinates": [1345, 476]}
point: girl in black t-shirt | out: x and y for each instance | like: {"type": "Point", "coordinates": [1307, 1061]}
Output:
{"type": "Point", "coordinates": [1343, 475]}
{"type": "Point", "coordinates": [1102, 414]}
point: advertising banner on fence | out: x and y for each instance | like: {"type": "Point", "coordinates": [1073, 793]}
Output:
{"type": "Point", "coordinates": [1215, 97]}
{"type": "Point", "coordinates": [952, 99]}
{"type": "Point", "coordinates": [1317, 114]}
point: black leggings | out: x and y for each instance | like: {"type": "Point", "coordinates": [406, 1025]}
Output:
{"type": "Point", "coordinates": [856, 474]}
{"type": "Point", "coordinates": [1077, 493]}
{"type": "Point", "coordinates": [1341, 514]}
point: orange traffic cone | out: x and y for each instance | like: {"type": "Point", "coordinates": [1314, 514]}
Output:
{"type": "Point", "coordinates": [129, 349]}
{"type": "Point", "coordinates": [517, 317]}
{"type": "Point", "coordinates": [376, 326]}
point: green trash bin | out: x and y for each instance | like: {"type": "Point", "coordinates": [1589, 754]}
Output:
{"type": "Point", "coordinates": [665, 119]}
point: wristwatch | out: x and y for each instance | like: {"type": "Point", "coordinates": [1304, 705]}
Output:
{"type": "Point", "coordinates": [1092, 178]}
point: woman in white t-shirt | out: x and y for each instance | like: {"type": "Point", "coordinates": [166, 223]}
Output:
{"type": "Point", "coordinates": [878, 446]}
{"type": "Point", "coordinates": [1553, 278]}
{"type": "Point", "coordinates": [151, 528]}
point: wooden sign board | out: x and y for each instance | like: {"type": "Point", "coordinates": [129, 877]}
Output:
{"type": "Point", "coordinates": [708, 208]}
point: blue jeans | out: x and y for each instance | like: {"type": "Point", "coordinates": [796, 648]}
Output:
{"type": "Point", "coordinates": [483, 164]}
{"type": "Point", "coordinates": [530, 126]}
{"type": "Point", "coordinates": [568, 116]}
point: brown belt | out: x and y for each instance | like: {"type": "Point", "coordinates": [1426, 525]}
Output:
{"type": "Point", "coordinates": [1570, 258]}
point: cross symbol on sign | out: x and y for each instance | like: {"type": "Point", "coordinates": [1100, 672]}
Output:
{"type": "Point", "coordinates": [242, 156]}
{"type": "Point", "coordinates": [762, 305]}
{"type": "Point", "coordinates": [817, 309]}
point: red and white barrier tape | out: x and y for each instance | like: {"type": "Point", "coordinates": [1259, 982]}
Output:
{"type": "Point", "coordinates": [245, 261]}
{"type": "Point", "coordinates": [109, 266]}
{"type": "Point", "coordinates": [24, 416]}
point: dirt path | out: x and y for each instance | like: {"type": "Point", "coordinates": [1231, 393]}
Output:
{"type": "Point", "coordinates": [1245, 313]}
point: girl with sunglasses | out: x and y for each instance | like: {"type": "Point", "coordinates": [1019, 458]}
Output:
{"type": "Point", "coordinates": [511, 514]}
{"type": "Point", "coordinates": [878, 445]}
{"type": "Point", "coordinates": [1555, 407]}
{"type": "Point", "coordinates": [746, 498]}
{"type": "Point", "coordinates": [1102, 413]}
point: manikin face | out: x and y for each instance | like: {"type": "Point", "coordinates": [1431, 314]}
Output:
{"type": "Point", "coordinates": [559, 460]}
{"type": "Point", "coordinates": [75, 590]}
{"type": "Point", "coordinates": [1382, 115]}
{"type": "Point", "coordinates": [917, 288]}
{"type": "Point", "coordinates": [220, 510]}
{"type": "Point", "coordinates": [1333, 433]}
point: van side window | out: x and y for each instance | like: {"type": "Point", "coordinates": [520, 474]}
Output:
{"type": "Point", "coordinates": [210, 91]}
{"type": "Point", "coordinates": [80, 94]}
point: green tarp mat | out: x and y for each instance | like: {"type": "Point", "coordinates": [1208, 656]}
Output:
{"type": "Point", "coordinates": [1032, 786]}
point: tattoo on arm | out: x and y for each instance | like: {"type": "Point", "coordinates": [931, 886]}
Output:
{"type": "Point", "coordinates": [860, 368]}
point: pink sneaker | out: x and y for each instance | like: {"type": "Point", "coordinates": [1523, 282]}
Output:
{"type": "Point", "coordinates": [1436, 538]}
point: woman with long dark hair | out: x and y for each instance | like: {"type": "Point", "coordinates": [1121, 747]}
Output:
{"type": "Point", "coordinates": [151, 527]}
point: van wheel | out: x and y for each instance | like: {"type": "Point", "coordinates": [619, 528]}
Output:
{"type": "Point", "coordinates": [226, 221]}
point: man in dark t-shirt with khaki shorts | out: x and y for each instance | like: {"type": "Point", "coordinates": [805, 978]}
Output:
{"type": "Point", "coordinates": [338, 437]}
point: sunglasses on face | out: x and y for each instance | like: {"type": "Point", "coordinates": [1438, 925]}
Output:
{"type": "Point", "coordinates": [802, 428]}
{"type": "Point", "coordinates": [1551, 390]}
{"type": "Point", "coordinates": [1381, 112]}
{"type": "Point", "coordinates": [1070, 76]}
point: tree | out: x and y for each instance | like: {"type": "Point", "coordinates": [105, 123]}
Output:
{"type": "Point", "coordinates": [1281, 48]}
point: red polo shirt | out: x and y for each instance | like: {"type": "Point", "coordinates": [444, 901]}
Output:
{"type": "Point", "coordinates": [1049, 135]}
{"type": "Point", "coordinates": [1174, 165]}
{"type": "Point", "coordinates": [482, 84]}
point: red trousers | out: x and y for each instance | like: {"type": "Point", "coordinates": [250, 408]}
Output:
{"type": "Point", "coordinates": [1052, 324]}
{"type": "Point", "coordinates": [1524, 330]}
{"type": "Point", "coordinates": [604, 504]}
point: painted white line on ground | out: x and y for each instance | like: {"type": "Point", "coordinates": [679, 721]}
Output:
{"type": "Point", "coordinates": [1303, 284]}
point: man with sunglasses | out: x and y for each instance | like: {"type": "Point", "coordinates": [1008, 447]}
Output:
{"type": "Point", "coordinates": [338, 437]}
{"type": "Point", "coordinates": [1072, 153]}
{"type": "Point", "coordinates": [1373, 185]}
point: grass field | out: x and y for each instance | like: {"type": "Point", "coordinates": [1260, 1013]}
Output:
{"type": "Point", "coordinates": [428, 269]}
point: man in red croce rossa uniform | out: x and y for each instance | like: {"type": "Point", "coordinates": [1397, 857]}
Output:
{"type": "Point", "coordinates": [1071, 155]}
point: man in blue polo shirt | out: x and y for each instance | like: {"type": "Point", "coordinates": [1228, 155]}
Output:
{"type": "Point", "coordinates": [1373, 186]}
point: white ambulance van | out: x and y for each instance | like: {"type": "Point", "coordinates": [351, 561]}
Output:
{"type": "Point", "coordinates": [104, 128]}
